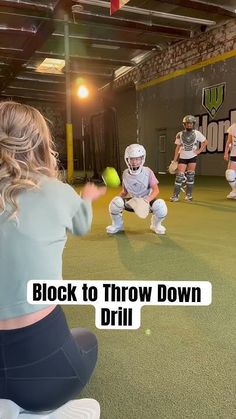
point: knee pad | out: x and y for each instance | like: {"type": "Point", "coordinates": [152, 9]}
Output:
{"type": "Point", "coordinates": [190, 178]}
{"type": "Point", "coordinates": [116, 206]}
{"type": "Point", "coordinates": [179, 179]}
{"type": "Point", "coordinates": [230, 175]}
{"type": "Point", "coordinates": [159, 208]}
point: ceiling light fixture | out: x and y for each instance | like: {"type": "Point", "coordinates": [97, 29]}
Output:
{"type": "Point", "coordinates": [51, 65]}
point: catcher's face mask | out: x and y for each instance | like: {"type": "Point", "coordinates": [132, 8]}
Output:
{"type": "Point", "coordinates": [135, 155]}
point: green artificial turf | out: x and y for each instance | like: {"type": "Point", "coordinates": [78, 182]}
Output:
{"type": "Point", "coordinates": [185, 367]}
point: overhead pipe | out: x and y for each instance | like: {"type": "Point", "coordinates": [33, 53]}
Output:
{"type": "Point", "coordinates": [11, 49]}
{"type": "Point", "coordinates": [167, 31]}
{"type": "Point", "coordinates": [146, 12]}
{"type": "Point", "coordinates": [149, 27]}
{"type": "Point", "coordinates": [132, 24]}
{"type": "Point", "coordinates": [60, 21]}
{"type": "Point", "coordinates": [8, 29]}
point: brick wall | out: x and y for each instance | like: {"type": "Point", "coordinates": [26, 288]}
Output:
{"type": "Point", "coordinates": [183, 54]}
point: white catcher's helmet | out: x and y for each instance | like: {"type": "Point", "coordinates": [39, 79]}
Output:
{"type": "Point", "coordinates": [134, 151]}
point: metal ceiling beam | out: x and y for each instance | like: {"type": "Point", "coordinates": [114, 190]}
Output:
{"type": "Point", "coordinates": [26, 5]}
{"type": "Point", "coordinates": [89, 74]}
{"type": "Point", "coordinates": [20, 31]}
{"type": "Point", "coordinates": [35, 98]}
{"type": "Point", "coordinates": [11, 49]}
{"type": "Point", "coordinates": [31, 89]}
{"type": "Point", "coordinates": [88, 40]}
{"type": "Point", "coordinates": [112, 42]}
{"type": "Point", "coordinates": [39, 80]}
{"type": "Point", "coordinates": [202, 6]}
{"type": "Point", "coordinates": [93, 78]}
{"type": "Point", "coordinates": [144, 12]}
{"type": "Point", "coordinates": [167, 31]}
{"type": "Point", "coordinates": [94, 60]}
{"type": "Point", "coordinates": [35, 17]}
{"type": "Point", "coordinates": [124, 44]}
{"type": "Point", "coordinates": [29, 76]}
{"type": "Point", "coordinates": [44, 30]}
{"type": "Point", "coordinates": [51, 10]}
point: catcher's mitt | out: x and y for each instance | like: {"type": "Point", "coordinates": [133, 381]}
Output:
{"type": "Point", "coordinates": [140, 206]}
{"type": "Point", "coordinates": [173, 167]}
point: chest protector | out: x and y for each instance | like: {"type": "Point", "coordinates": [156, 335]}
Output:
{"type": "Point", "coordinates": [137, 185]}
{"type": "Point", "coordinates": [189, 140]}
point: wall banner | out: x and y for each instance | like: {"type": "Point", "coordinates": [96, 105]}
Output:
{"type": "Point", "coordinates": [213, 98]}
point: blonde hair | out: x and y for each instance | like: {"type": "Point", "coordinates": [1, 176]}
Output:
{"type": "Point", "coordinates": [26, 151]}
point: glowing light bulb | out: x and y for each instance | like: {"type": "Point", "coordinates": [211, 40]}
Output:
{"type": "Point", "coordinates": [83, 92]}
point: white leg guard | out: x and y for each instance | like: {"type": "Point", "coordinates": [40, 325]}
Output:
{"type": "Point", "coordinates": [9, 409]}
{"type": "Point", "coordinates": [74, 409]}
{"type": "Point", "coordinates": [231, 177]}
{"type": "Point", "coordinates": [190, 182]}
{"type": "Point", "coordinates": [116, 208]}
{"type": "Point", "coordinates": [159, 210]}
{"type": "Point", "coordinates": [179, 181]}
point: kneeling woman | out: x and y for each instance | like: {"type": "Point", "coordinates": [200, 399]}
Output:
{"type": "Point", "coordinates": [42, 364]}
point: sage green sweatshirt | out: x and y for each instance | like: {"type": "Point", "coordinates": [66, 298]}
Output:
{"type": "Point", "coordinates": [31, 247]}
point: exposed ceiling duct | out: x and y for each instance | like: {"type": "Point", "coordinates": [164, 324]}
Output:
{"type": "Point", "coordinates": [101, 46]}
{"type": "Point", "coordinates": [146, 12]}
{"type": "Point", "coordinates": [168, 31]}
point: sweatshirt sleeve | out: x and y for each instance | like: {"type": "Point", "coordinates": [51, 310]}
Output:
{"type": "Point", "coordinates": [79, 212]}
{"type": "Point", "coordinates": [82, 219]}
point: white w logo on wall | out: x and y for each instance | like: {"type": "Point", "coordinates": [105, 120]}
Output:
{"type": "Point", "coordinates": [213, 98]}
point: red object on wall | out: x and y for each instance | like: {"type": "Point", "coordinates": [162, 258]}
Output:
{"type": "Point", "coordinates": [116, 5]}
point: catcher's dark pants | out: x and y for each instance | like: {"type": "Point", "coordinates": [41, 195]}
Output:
{"type": "Point", "coordinates": [44, 365]}
{"type": "Point", "coordinates": [187, 161]}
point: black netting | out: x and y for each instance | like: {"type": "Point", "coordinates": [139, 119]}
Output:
{"type": "Point", "coordinates": [104, 141]}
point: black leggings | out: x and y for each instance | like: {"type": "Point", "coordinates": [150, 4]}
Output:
{"type": "Point", "coordinates": [44, 365]}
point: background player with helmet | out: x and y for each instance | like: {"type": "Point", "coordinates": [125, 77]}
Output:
{"type": "Point", "coordinates": [230, 173]}
{"type": "Point", "coordinates": [186, 152]}
{"type": "Point", "coordinates": [139, 182]}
